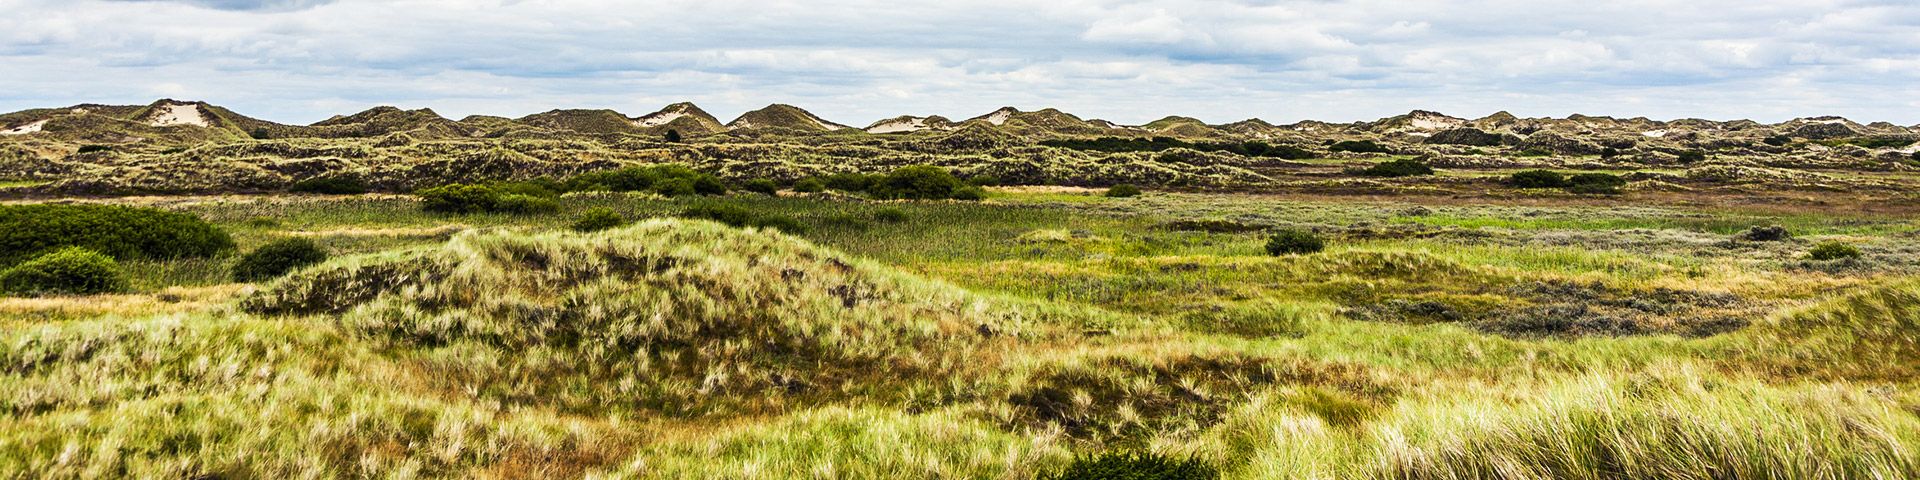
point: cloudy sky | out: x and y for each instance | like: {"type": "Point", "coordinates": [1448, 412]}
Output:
{"type": "Point", "coordinates": [852, 61]}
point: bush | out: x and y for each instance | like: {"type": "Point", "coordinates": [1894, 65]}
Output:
{"type": "Point", "coordinates": [729, 214]}
{"type": "Point", "coordinates": [1609, 152]}
{"type": "Point", "coordinates": [277, 258]}
{"type": "Point", "coordinates": [28, 231]}
{"type": "Point", "coordinates": [848, 182]}
{"type": "Point", "coordinates": [1774, 233]}
{"type": "Point", "coordinates": [71, 270]}
{"type": "Point", "coordinates": [1833, 250]}
{"type": "Point", "coordinates": [762, 186]}
{"type": "Point", "coordinates": [1357, 146]}
{"type": "Point", "coordinates": [330, 186]}
{"type": "Point", "coordinates": [1915, 156]}
{"type": "Point", "coordinates": [1538, 179]}
{"type": "Point", "coordinates": [673, 136]}
{"type": "Point", "coordinates": [1123, 190]}
{"type": "Point", "coordinates": [782, 222]}
{"type": "Point", "coordinates": [708, 185]}
{"type": "Point", "coordinates": [1133, 466]}
{"type": "Point", "coordinates": [809, 185]}
{"type": "Point", "coordinates": [525, 204]}
{"type": "Point", "coordinates": [891, 215]}
{"type": "Point", "coordinates": [1692, 156]}
{"type": "Point", "coordinates": [92, 148]}
{"type": "Point", "coordinates": [1595, 183]}
{"type": "Point", "coordinates": [1534, 152]}
{"type": "Point", "coordinates": [458, 198]}
{"type": "Point", "coordinates": [675, 187]}
{"type": "Point", "coordinates": [1293, 241]}
{"type": "Point", "coordinates": [597, 219]}
{"type": "Point", "coordinates": [916, 182]}
{"type": "Point", "coordinates": [1405, 167]}
{"type": "Point", "coordinates": [1777, 140]}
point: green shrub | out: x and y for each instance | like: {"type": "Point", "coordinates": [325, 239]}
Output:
{"type": "Point", "coordinates": [71, 270]}
{"type": "Point", "coordinates": [1833, 250]}
{"type": "Point", "coordinates": [675, 187]}
{"type": "Point", "coordinates": [92, 148]}
{"type": "Point", "coordinates": [1595, 183]}
{"type": "Point", "coordinates": [1538, 179]}
{"type": "Point", "coordinates": [649, 178]}
{"type": "Point", "coordinates": [1693, 156]}
{"type": "Point", "coordinates": [916, 182]}
{"type": "Point", "coordinates": [848, 182]}
{"type": "Point", "coordinates": [762, 186]}
{"type": "Point", "coordinates": [1294, 241]}
{"type": "Point", "coordinates": [330, 186]}
{"type": "Point", "coordinates": [1405, 167]}
{"type": "Point", "coordinates": [1593, 189]}
{"type": "Point", "coordinates": [729, 214]}
{"type": "Point", "coordinates": [782, 222]}
{"type": "Point", "coordinates": [597, 219]}
{"type": "Point", "coordinates": [891, 215]}
{"type": "Point", "coordinates": [525, 204]}
{"type": "Point", "coordinates": [31, 230]}
{"type": "Point", "coordinates": [1123, 190]}
{"type": "Point", "coordinates": [809, 185]}
{"type": "Point", "coordinates": [1133, 466]}
{"type": "Point", "coordinates": [1535, 152]}
{"type": "Point", "coordinates": [708, 185]}
{"type": "Point", "coordinates": [458, 198]}
{"type": "Point", "coordinates": [1357, 146]}
{"type": "Point", "coordinates": [277, 258]}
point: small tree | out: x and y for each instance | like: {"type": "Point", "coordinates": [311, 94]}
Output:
{"type": "Point", "coordinates": [597, 219]}
{"type": "Point", "coordinates": [1294, 242]}
{"type": "Point", "coordinates": [277, 258]}
{"type": "Point", "coordinates": [673, 136]}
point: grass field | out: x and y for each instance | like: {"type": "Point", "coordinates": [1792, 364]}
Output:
{"type": "Point", "coordinates": [998, 339]}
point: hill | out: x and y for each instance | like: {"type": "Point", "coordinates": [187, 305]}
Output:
{"type": "Point", "coordinates": [782, 116]}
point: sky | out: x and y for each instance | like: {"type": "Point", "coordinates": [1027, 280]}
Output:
{"type": "Point", "coordinates": [856, 61]}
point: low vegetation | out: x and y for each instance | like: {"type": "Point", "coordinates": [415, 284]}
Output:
{"type": "Point", "coordinates": [277, 258]}
{"type": "Point", "coordinates": [69, 271]}
{"type": "Point", "coordinates": [29, 230]}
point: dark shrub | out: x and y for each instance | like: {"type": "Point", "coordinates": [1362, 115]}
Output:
{"type": "Point", "coordinates": [762, 186]}
{"type": "Point", "coordinates": [91, 149]}
{"type": "Point", "coordinates": [1170, 157]}
{"type": "Point", "coordinates": [673, 136]}
{"type": "Point", "coordinates": [1405, 167]}
{"type": "Point", "coordinates": [849, 182]}
{"type": "Point", "coordinates": [891, 215]}
{"type": "Point", "coordinates": [1123, 190]}
{"type": "Point", "coordinates": [1294, 241]}
{"type": "Point", "coordinates": [330, 186]}
{"type": "Point", "coordinates": [675, 187]}
{"type": "Point", "coordinates": [525, 204]}
{"type": "Point", "coordinates": [782, 222]}
{"type": "Point", "coordinates": [1693, 156]}
{"type": "Point", "coordinates": [260, 133]}
{"type": "Point", "coordinates": [1357, 146]}
{"type": "Point", "coordinates": [809, 185]}
{"type": "Point", "coordinates": [458, 198]}
{"type": "Point", "coordinates": [1777, 140]}
{"type": "Point", "coordinates": [1833, 250]}
{"type": "Point", "coordinates": [1538, 179]}
{"type": "Point", "coordinates": [916, 182]}
{"type": "Point", "coordinates": [597, 219]}
{"type": "Point", "coordinates": [1773, 233]}
{"type": "Point", "coordinates": [729, 214]}
{"type": "Point", "coordinates": [71, 270]}
{"type": "Point", "coordinates": [1609, 152]}
{"type": "Point", "coordinates": [1133, 466]}
{"type": "Point", "coordinates": [1915, 156]}
{"type": "Point", "coordinates": [277, 258]}
{"type": "Point", "coordinates": [28, 231]}
{"type": "Point", "coordinates": [708, 185]}
{"type": "Point", "coordinates": [1595, 183]}
{"type": "Point", "coordinates": [1535, 152]}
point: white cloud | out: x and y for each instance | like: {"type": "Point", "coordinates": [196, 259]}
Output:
{"type": "Point", "coordinates": [855, 61]}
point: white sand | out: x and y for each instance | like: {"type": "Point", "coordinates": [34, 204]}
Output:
{"type": "Point", "coordinates": [179, 115]}
{"type": "Point", "coordinates": [660, 118]}
{"type": "Point", "coordinates": [999, 117]}
{"type": "Point", "coordinates": [1655, 133]}
{"type": "Point", "coordinates": [25, 129]}
{"type": "Point", "coordinates": [823, 123]}
{"type": "Point", "coordinates": [1436, 122]}
{"type": "Point", "coordinates": [898, 126]}
{"type": "Point", "coordinates": [1419, 134]}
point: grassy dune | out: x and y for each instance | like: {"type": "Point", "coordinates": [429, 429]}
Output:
{"type": "Point", "coordinates": [986, 340]}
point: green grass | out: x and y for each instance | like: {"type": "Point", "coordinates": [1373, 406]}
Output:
{"type": "Point", "coordinates": [989, 339]}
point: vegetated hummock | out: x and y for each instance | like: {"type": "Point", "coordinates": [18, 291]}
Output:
{"type": "Point", "coordinates": [190, 293]}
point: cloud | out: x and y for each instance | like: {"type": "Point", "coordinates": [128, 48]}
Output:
{"type": "Point", "coordinates": [854, 61]}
